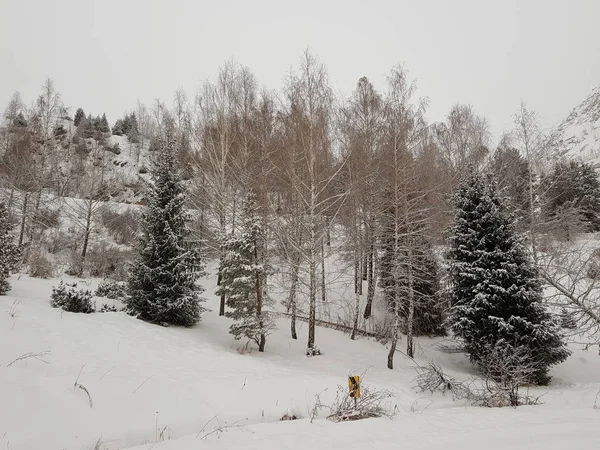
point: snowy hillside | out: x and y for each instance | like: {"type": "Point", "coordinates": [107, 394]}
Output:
{"type": "Point", "coordinates": [152, 387]}
{"type": "Point", "coordinates": [578, 136]}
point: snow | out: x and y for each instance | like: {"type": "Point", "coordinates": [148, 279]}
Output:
{"type": "Point", "coordinates": [578, 136]}
{"type": "Point", "coordinates": [156, 387]}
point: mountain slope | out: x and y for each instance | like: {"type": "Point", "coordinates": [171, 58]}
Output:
{"type": "Point", "coordinates": [578, 136]}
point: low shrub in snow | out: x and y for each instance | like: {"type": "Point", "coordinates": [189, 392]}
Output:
{"type": "Point", "coordinates": [371, 403]}
{"type": "Point", "coordinates": [314, 351]}
{"type": "Point", "coordinates": [39, 266]}
{"type": "Point", "coordinates": [106, 260]}
{"type": "Point", "coordinates": [110, 289]}
{"type": "Point", "coordinates": [69, 298]}
{"type": "Point", "coordinates": [108, 308]}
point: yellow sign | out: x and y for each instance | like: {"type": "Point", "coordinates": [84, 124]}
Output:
{"type": "Point", "coordinates": [354, 386]}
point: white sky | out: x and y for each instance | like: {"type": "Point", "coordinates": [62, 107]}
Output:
{"type": "Point", "coordinates": [103, 55]}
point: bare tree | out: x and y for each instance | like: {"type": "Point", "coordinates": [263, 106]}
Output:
{"type": "Point", "coordinates": [405, 130]}
{"type": "Point", "coordinates": [310, 173]}
{"type": "Point", "coordinates": [571, 272]}
{"type": "Point", "coordinates": [463, 138]}
{"type": "Point", "coordinates": [216, 108]}
{"type": "Point", "coordinates": [85, 210]}
{"type": "Point", "coordinates": [361, 131]}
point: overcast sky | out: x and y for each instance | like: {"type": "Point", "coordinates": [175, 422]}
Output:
{"type": "Point", "coordinates": [105, 54]}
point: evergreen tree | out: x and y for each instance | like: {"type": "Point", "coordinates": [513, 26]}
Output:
{"type": "Point", "coordinates": [20, 121]}
{"type": "Point", "coordinates": [162, 283]}
{"type": "Point", "coordinates": [104, 128]}
{"type": "Point", "coordinates": [243, 281]}
{"type": "Point", "coordinates": [9, 252]}
{"type": "Point", "coordinates": [496, 294]}
{"type": "Point", "coordinates": [118, 128]}
{"type": "Point", "coordinates": [132, 130]}
{"type": "Point", "coordinates": [511, 170]}
{"type": "Point", "coordinates": [79, 117]}
{"type": "Point", "coordinates": [429, 311]}
{"type": "Point", "coordinates": [89, 131]}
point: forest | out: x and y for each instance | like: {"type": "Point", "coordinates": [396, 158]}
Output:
{"type": "Point", "coordinates": [435, 229]}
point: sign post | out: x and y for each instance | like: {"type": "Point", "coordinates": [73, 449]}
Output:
{"type": "Point", "coordinates": [354, 388]}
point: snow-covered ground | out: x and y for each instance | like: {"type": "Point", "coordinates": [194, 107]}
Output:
{"type": "Point", "coordinates": [156, 388]}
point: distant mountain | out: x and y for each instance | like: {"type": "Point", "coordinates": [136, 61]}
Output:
{"type": "Point", "coordinates": [578, 136]}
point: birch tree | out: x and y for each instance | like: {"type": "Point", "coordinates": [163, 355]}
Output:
{"type": "Point", "coordinates": [404, 132]}
{"type": "Point", "coordinates": [361, 131]}
{"type": "Point", "coordinates": [310, 173]}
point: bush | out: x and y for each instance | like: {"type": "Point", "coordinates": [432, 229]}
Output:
{"type": "Point", "coordinates": [104, 261]}
{"type": "Point", "coordinates": [143, 170]}
{"type": "Point", "coordinates": [371, 403]}
{"type": "Point", "coordinates": [75, 264]}
{"type": "Point", "coordinates": [110, 289]}
{"type": "Point", "coordinates": [108, 308]}
{"type": "Point", "coordinates": [39, 266]}
{"type": "Point", "coordinates": [315, 351]}
{"type": "Point", "coordinates": [69, 298]}
{"type": "Point", "coordinates": [113, 148]}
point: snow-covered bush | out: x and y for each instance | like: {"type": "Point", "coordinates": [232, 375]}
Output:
{"type": "Point", "coordinates": [69, 298]}
{"type": "Point", "coordinates": [110, 289]}
{"type": "Point", "coordinates": [314, 351]}
{"type": "Point", "coordinates": [108, 308]}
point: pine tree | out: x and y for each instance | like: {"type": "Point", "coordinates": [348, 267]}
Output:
{"type": "Point", "coordinates": [162, 283]}
{"type": "Point", "coordinates": [243, 281]}
{"type": "Point", "coordinates": [79, 117]}
{"type": "Point", "coordinates": [9, 252]}
{"type": "Point", "coordinates": [496, 294]}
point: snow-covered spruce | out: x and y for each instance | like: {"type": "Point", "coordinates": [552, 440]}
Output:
{"type": "Point", "coordinates": [496, 293]}
{"type": "Point", "coordinates": [243, 281]}
{"type": "Point", "coordinates": [9, 252]}
{"type": "Point", "coordinates": [162, 284]}
{"type": "Point", "coordinates": [69, 298]}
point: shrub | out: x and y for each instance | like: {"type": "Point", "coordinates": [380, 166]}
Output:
{"type": "Point", "coordinates": [75, 264]}
{"type": "Point", "coordinates": [315, 351]}
{"type": "Point", "coordinates": [371, 403]}
{"type": "Point", "coordinates": [104, 261]}
{"type": "Point", "coordinates": [39, 266]}
{"type": "Point", "coordinates": [113, 148]}
{"type": "Point", "coordinates": [108, 308]}
{"type": "Point", "coordinates": [110, 289]}
{"type": "Point", "coordinates": [143, 170]}
{"type": "Point", "coordinates": [69, 298]}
